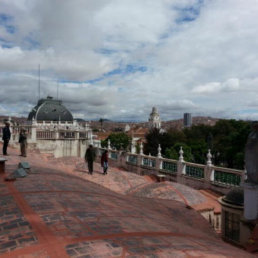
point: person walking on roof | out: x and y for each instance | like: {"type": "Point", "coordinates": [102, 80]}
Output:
{"type": "Point", "coordinates": [104, 162]}
{"type": "Point", "coordinates": [90, 157]}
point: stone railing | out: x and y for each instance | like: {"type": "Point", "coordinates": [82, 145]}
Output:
{"type": "Point", "coordinates": [195, 175]}
{"type": "Point", "coordinates": [45, 135]}
{"type": "Point", "coordinates": [224, 176]}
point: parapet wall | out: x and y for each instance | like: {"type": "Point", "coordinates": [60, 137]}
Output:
{"type": "Point", "coordinates": [198, 176]}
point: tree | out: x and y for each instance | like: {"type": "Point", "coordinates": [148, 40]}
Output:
{"type": "Point", "coordinates": [226, 140]}
{"type": "Point", "coordinates": [153, 139]}
{"type": "Point", "coordinates": [173, 152]}
{"type": "Point", "coordinates": [119, 141]}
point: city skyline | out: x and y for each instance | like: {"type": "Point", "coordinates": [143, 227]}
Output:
{"type": "Point", "coordinates": [117, 59]}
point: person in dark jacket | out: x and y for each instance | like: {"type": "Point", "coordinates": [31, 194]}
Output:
{"type": "Point", "coordinates": [90, 157]}
{"type": "Point", "coordinates": [23, 142]}
{"type": "Point", "coordinates": [6, 137]}
{"type": "Point", "coordinates": [104, 162]}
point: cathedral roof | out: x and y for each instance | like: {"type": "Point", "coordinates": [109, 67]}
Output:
{"type": "Point", "coordinates": [50, 109]}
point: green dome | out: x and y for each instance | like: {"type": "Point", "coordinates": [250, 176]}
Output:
{"type": "Point", "coordinates": [50, 109]}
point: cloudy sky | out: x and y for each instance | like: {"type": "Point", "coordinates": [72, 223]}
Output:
{"type": "Point", "coordinates": [117, 58]}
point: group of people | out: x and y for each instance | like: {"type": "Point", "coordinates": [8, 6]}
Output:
{"type": "Point", "coordinates": [7, 136]}
{"type": "Point", "coordinates": [90, 156]}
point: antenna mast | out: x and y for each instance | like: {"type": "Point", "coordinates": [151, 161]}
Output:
{"type": "Point", "coordinates": [57, 90]}
{"type": "Point", "coordinates": [39, 82]}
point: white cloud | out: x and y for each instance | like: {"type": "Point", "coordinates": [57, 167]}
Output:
{"type": "Point", "coordinates": [123, 57]}
{"type": "Point", "coordinates": [216, 87]}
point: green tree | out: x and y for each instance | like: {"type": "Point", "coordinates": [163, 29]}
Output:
{"type": "Point", "coordinates": [226, 140]}
{"type": "Point", "coordinates": [153, 139]}
{"type": "Point", "coordinates": [119, 141]}
{"type": "Point", "coordinates": [173, 152]}
{"type": "Point", "coordinates": [230, 137]}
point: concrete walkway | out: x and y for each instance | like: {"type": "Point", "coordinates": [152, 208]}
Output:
{"type": "Point", "coordinates": [59, 211]}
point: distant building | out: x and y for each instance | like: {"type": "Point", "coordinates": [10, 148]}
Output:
{"type": "Point", "coordinates": [154, 119]}
{"type": "Point", "coordinates": [127, 128]}
{"type": "Point", "coordinates": [187, 119]}
{"type": "Point", "coordinates": [51, 129]}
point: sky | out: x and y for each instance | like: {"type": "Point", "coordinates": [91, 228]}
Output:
{"type": "Point", "coordinates": [116, 59]}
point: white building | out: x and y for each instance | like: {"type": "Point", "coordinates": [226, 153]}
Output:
{"type": "Point", "coordinates": [52, 129]}
{"type": "Point", "coordinates": [154, 119]}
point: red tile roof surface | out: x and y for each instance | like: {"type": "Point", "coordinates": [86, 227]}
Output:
{"type": "Point", "coordinates": [59, 210]}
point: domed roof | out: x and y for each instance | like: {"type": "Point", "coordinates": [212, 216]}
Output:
{"type": "Point", "coordinates": [235, 196]}
{"type": "Point", "coordinates": [50, 109]}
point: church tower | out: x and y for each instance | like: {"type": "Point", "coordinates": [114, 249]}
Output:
{"type": "Point", "coordinates": [154, 119]}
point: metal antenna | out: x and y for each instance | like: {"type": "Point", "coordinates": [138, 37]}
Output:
{"type": "Point", "coordinates": [57, 90]}
{"type": "Point", "coordinates": [39, 81]}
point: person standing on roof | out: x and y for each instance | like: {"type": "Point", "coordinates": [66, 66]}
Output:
{"type": "Point", "coordinates": [90, 157]}
{"type": "Point", "coordinates": [6, 137]}
{"type": "Point", "coordinates": [23, 142]}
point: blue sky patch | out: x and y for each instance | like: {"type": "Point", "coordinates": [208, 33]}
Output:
{"type": "Point", "coordinates": [5, 44]}
{"type": "Point", "coordinates": [6, 22]}
{"type": "Point", "coordinates": [189, 14]}
{"type": "Point", "coordinates": [106, 51]}
{"type": "Point", "coordinates": [128, 69]}
{"type": "Point", "coordinates": [31, 43]}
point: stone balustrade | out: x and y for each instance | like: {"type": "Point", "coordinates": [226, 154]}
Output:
{"type": "Point", "coordinates": [195, 175]}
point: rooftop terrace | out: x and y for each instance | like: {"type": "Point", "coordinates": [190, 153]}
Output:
{"type": "Point", "coordinates": [59, 210]}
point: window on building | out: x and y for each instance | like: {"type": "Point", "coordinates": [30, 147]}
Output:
{"type": "Point", "coordinates": [232, 226]}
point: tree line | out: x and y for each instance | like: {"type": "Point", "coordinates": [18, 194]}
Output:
{"type": "Point", "coordinates": [226, 140]}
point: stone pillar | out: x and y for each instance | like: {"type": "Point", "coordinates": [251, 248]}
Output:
{"type": "Point", "coordinates": [33, 133]}
{"type": "Point", "coordinates": [181, 157]}
{"type": "Point", "coordinates": [139, 163]}
{"type": "Point", "coordinates": [208, 171]}
{"type": "Point", "coordinates": [209, 156]}
{"type": "Point", "coordinates": [109, 147]}
{"type": "Point", "coordinates": [141, 149]}
{"type": "Point", "coordinates": [159, 152]}
{"type": "Point", "coordinates": [180, 166]}
{"type": "Point", "coordinates": [56, 134]}
{"type": "Point", "coordinates": [158, 164]}
{"type": "Point", "coordinates": [133, 147]}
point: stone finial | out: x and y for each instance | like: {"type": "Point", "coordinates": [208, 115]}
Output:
{"type": "Point", "coordinates": [141, 148]}
{"type": "Point", "coordinates": [109, 147]}
{"type": "Point", "coordinates": [209, 156]}
{"type": "Point", "coordinates": [159, 152]}
{"type": "Point", "coordinates": [132, 147]}
{"type": "Point", "coordinates": [181, 152]}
